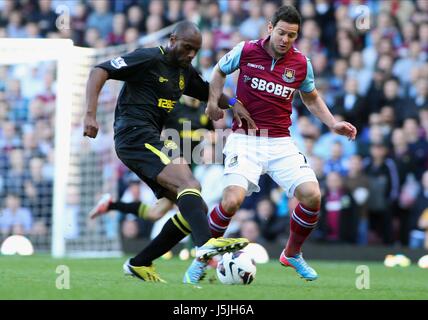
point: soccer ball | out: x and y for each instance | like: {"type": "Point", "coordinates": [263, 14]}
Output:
{"type": "Point", "coordinates": [236, 268]}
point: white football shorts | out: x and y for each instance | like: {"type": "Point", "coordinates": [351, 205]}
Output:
{"type": "Point", "coordinates": [251, 156]}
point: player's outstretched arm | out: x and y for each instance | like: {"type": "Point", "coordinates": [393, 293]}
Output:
{"type": "Point", "coordinates": [317, 107]}
{"type": "Point", "coordinates": [96, 81]}
{"type": "Point", "coordinates": [216, 89]}
{"type": "Point", "coordinates": [218, 101]}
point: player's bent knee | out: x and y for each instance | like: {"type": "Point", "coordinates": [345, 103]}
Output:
{"type": "Point", "coordinates": [309, 195]}
{"type": "Point", "coordinates": [312, 200]}
{"type": "Point", "coordinates": [191, 184]}
{"type": "Point", "coordinates": [232, 200]}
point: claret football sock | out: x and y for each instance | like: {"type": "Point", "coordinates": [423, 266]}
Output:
{"type": "Point", "coordinates": [302, 222]}
{"type": "Point", "coordinates": [218, 221]}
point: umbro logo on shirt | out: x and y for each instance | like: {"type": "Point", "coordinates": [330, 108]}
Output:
{"type": "Point", "coordinates": [256, 66]}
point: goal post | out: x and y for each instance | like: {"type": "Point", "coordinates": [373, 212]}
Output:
{"type": "Point", "coordinates": [30, 51]}
{"type": "Point", "coordinates": [83, 168]}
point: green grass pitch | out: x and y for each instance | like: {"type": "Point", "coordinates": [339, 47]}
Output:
{"type": "Point", "coordinates": [35, 277]}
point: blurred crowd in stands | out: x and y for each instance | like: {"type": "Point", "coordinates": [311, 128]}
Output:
{"type": "Point", "coordinates": [375, 190]}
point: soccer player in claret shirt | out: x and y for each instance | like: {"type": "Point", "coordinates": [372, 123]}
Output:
{"type": "Point", "coordinates": [155, 78]}
{"type": "Point", "coordinates": [271, 71]}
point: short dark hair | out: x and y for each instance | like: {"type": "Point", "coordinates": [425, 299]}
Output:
{"type": "Point", "coordinates": [288, 14]}
{"type": "Point", "coordinates": [185, 27]}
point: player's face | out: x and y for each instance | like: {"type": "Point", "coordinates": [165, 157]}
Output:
{"type": "Point", "coordinates": [185, 49]}
{"type": "Point", "coordinates": [282, 36]}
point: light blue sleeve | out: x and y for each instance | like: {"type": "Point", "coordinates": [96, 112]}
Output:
{"type": "Point", "coordinates": [308, 85]}
{"type": "Point", "coordinates": [230, 61]}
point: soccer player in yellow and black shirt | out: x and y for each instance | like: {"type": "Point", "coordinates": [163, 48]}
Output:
{"type": "Point", "coordinates": [155, 79]}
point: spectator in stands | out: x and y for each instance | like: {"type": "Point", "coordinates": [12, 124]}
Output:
{"type": "Point", "coordinates": [387, 119]}
{"type": "Point", "coordinates": [39, 196]}
{"type": "Point", "coordinates": [238, 219]}
{"type": "Point", "coordinates": [101, 18]}
{"type": "Point", "coordinates": [270, 224]}
{"type": "Point", "coordinates": [251, 230]}
{"type": "Point", "coordinates": [117, 35]}
{"type": "Point", "coordinates": [250, 27]}
{"type": "Point", "coordinates": [78, 22]}
{"type": "Point", "coordinates": [421, 98]}
{"type": "Point", "coordinates": [30, 147]}
{"type": "Point", "coordinates": [423, 119]}
{"type": "Point", "coordinates": [317, 164]}
{"type": "Point", "coordinates": [391, 97]}
{"type": "Point", "coordinates": [339, 220]}
{"type": "Point", "coordinates": [211, 15]}
{"type": "Point", "coordinates": [154, 23]}
{"type": "Point", "coordinates": [325, 142]}
{"type": "Point", "coordinates": [15, 177]}
{"type": "Point", "coordinates": [383, 192]}
{"type": "Point", "coordinates": [419, 217]}
{"type": "Point", "coordinates": [418, 145]}
{"type": "Point", "coordinates": [308, 148]}
{"type": "Point", "coordinates": [92, 35]}
{"type": "Point", "coordinates": [350, 105]}
{"type": "Point", "coordinates": [359, 71]}
{"type": "Point", "coordinates": [374, 97]}
{"type": "Point", "coordinates": [421, 14]}
{"type": "Point", "coordinates": [337, 82]}
{"type": "Point", "coordinates": [409, 34]}
{"type": "Point", "coordinates": [413, 59]}
{"type": "Point", "coordinates": [357, 183]}
{"type": "Point", "coordinates": [423, 36]}
{"type": "Point", "coordinates": [15, 27]}
{"type": "Point", "coordinates": [131, 36]}
{"type": "Point", "coordinates": [135, 18]}
{"type": "Point", "coordinates": [312, 32]}
{"type": "Point", "coordinates": [223, 33]}
{"type": "Point", "coordinates": [174, 11]}
{"type": "Point", "coordinates": [206, 64]}
{"type": "Point", "coordinates": [19, 104]}
{"type": "Point", "coordinates": [44, 16]}
{"type": "Point", "coordinates": [237, 9]}
{"type": "Point", "coordinates": [157, 8]}
{"type": "Point", "coordinates": [402, 155]}
{"type": "Point", "coordinates": [9, 138]}
{"type": "Point", "coordinates": [15, 219]}
{"type": "Point", "coordinates": [336, 161]}
{"type": "Point", "coordinates": [371, 133]}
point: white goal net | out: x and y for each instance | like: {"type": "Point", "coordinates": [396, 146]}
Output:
{"type": "Point", "coordinates": [50, 175]}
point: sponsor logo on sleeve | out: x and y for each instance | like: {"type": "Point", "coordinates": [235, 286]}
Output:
{"type": "Point", "coordinates": [118, 63]}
